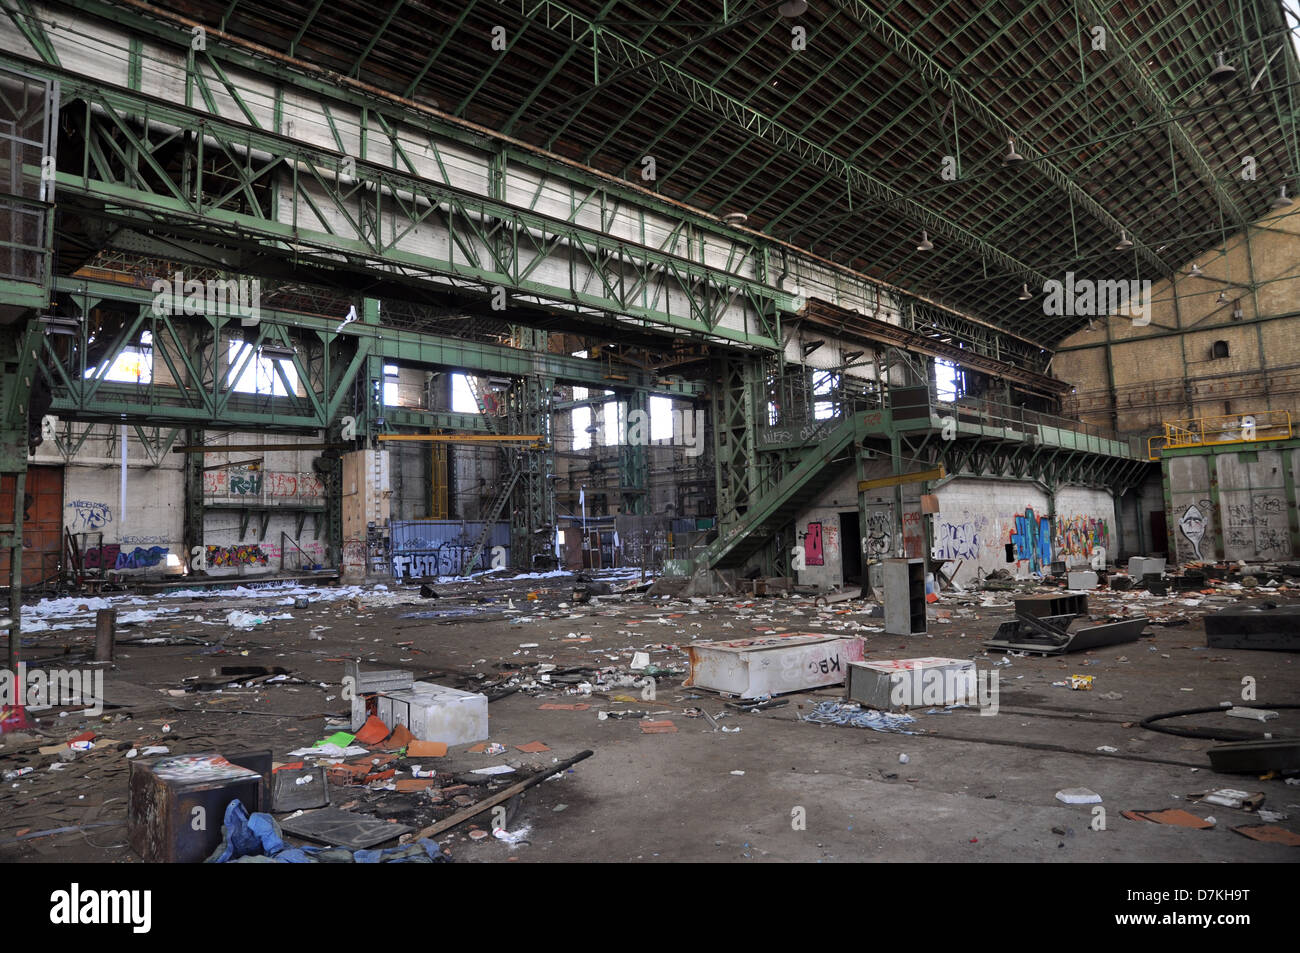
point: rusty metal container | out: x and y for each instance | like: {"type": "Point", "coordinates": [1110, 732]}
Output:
{"type": "Point", "coordinates": [177, 804]}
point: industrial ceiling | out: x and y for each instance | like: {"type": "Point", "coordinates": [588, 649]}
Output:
{"type": "Point", "coordinates": [852, 128]}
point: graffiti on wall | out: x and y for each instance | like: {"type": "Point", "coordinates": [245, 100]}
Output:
{"type": "Point", "coordinates": [958, 540]}
{"type": "Point", "coordinates": [913, 534]}
{"type": "Point", "coordinates": [141, 558]}
{"type": "Point", "coordinates": [243, 554]}
{"type": "Point", "coordinates": [813, 547]}
{"type": "Point", "coordinates": [1032, 539]}
{"type": "Point", "coordinates": [100, 557]}
{"type": "Point", "coordinates": [444, 559]}
{"type": "Point", "coordinates": [878, 530]}
{"type": "Point", "coordinates": [1080, 535]}
{"type": "Point", "coordinates": [1192, 525]}
{"type": "Point", "coordinates": [1259, 525]}
{"type": "Point", "coordinates": [88, 516]}
{"type": "Point", "coordinates": [268, 484]}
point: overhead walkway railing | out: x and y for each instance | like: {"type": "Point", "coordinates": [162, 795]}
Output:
{"type": "Point", "coordinates": [1214, 431]}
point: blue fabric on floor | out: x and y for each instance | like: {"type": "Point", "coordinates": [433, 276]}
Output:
{"type": "Point", "coordinates": [256, 838]}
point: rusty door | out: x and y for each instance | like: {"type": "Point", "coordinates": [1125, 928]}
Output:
{"type": "Point", "coordinates": [42, 525]}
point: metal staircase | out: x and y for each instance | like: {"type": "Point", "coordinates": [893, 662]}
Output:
{"type": "Point", "coordinates": [490, 520]}
{"type": "Point", "coordinates": [796, 490]}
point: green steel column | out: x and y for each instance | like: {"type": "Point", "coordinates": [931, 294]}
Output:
{"type": "Point", "coordinates": [633, 468]}
{"type": "Point", "coordinates": [371, 381]}
{"type": "Point", "coordinates": [1293, 502]}
{"type": "Point", "coordinates": [1170, 522]}
{"type": "Point", "coordinates": [192, 530]}
{"type": "Point", "coordinates": [1212, 468]}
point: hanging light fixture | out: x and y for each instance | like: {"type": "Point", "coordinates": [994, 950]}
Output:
{"type": "Point", "coordinates": [1024, 293]}
{"type": "Point", "coordinates": [793, 8]}
{"type": "Point", "coordinates": [1223, 298]}
{"type": "Point", "coordinates": [1282, 200]}
{"type": "Point", "coordinates": [1125, 243]}
{"type": "Point", "coordinates": [735, 218]}
{"type": "Point", "coordinates": [1222, 71]}
{"type": "Point", "coordinates": [1012, 155]}
{"type": "Point", "coordinates": [1195, 271]}
{"type": "Point", "coordinates": [926, 244]}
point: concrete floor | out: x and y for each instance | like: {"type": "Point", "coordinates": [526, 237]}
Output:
{"type": "Point", "coordinates": [975, 788]}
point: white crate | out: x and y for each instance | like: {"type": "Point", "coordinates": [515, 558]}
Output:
{"type": "Point", "coordinates": [771, 665]}
{"type": "Point", "coordinates": [434, 713]}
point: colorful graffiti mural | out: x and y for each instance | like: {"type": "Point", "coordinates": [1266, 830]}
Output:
{"type": "Point", "coordinates": [1032, 540]}
{"type": "Point", "coordinates": [1080, 535]}
{"type": "Point", "coordinates": [243, 554]}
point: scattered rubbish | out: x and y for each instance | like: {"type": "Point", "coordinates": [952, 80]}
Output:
{"type": "Point", "coordinates": [426, 749]}
{"type": "Point", "coordinates": [533, 747]}
{"type": "Point", "coordinates": [1269, 834]}
{"type": "Point", "coordinates": [495, 769]}
{"type": "Point", "coordinates": [1110, 696]}
{"type": "Point", "coordinates": [515, 838]}
{"type": "Point", "coordinates": [333, 826]}
{"type": "Point", "coordinates": [657, 727]}
{"type": "Point", "coordinates": [299, 789]}
{"type": "Point", "coordinates": [1228, 797]}
{"type": "Point", "coordinates": [1081, 683]}
{"type": "Point", "coordinates": [1078, 796]}
{"type": "Point", "coordinates": [1253, 714]}
{"type": "Point", "coordinates": [903, 759]}
{"type": "Point", "coordinates": [1049, 635]}
{"type": "Point", "coordinates": [1174, 816]}
{"type": "Point", "coordinates": [853, 715]}
{"type": "Point", "coordinates": [738, 773]}
{"type": "Point", "coordinates": [1108, 749]}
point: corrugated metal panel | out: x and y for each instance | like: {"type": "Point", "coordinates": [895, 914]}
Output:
{"type": "Point", "coordinates": [439, 547]}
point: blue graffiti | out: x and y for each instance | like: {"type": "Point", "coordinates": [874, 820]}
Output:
{"type": "Point", "coordinates": [140, 558]}
{"type": "Point", "coordinates": [1033, 539]}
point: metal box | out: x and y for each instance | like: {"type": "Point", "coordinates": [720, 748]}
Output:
{"type": "Point", "coordinates": [366, 686]}
{"type": "Point", "coordinates": [434, 713]}
{"type": "Point", "coordinates": [912, 683]}
{"type": "Point", "coordinates": [904, 583]}
{"type": "Point", "coordinates": [1254, 625]}
{"type": "Point", "coordinates": [772, 664]}
{"type": "Point", "coordinates": [177, 804]}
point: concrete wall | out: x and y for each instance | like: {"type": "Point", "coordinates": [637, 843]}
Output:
{"type": "Point", "coordinates": [146, 536]}
{"type": "Point", "coordinates": [975, 522]}
{"type": "Point", "coordinates": [1251, 517]}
